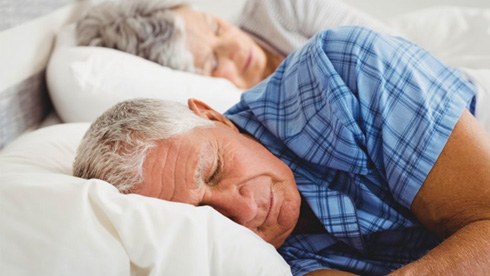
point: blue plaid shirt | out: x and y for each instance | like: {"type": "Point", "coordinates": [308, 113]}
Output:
{"type": "Point", "coordinates": [360, 118]}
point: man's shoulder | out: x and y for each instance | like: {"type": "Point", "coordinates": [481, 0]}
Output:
{"type": "Point", "coordinates": [350, 34]}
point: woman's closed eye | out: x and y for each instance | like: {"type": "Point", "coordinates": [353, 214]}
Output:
{"type": "Point", "coordinates": [211, 64]}
{"type": "Point", "coordinates": [214, 62]}
{"type": "Point", "coordinates": [217, 28]}
{"type": "Point", "coordinates": [215, 58]}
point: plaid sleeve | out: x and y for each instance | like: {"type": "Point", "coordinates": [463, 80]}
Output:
{"type": "Point", "coordinates": [408, 103]}
{"type": "Point", "coordinates": [356, 101]}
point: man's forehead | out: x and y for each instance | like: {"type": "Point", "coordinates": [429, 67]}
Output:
{"type": "Point", "coordinates": [193, 136]}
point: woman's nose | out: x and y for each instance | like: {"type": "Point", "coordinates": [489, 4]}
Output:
{"type": "Point", "coordinates": [229, 47]}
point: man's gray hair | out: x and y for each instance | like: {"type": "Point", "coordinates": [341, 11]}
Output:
{"type": "Point", "coordinates": [116, 144]}
{"type": "Point", "coordinates": [151, 29]}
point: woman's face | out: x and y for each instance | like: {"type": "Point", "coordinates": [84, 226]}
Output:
{"type": "Point", "coordinates": [223, 50]}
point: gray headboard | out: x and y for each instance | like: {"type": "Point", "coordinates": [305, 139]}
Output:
{"type": "Point", "coordinates": [27, 34]}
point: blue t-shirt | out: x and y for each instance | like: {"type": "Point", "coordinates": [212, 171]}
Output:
{"type": "Point", "coordinates": [360, 118]}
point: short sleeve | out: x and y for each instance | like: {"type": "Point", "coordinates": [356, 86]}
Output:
{"type": "Point", "coordinates": [357, 101]}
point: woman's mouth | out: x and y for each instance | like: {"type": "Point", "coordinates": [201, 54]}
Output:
{"type": "Point", "coordinates": [248, 61]}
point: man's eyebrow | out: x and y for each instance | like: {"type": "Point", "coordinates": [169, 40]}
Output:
{"type": "Point", "coordinates": [219, 166]}
{"type": "Point", "coordinates": [200, 168]}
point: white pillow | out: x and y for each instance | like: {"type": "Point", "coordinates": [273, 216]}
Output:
{"type": "Point", "coordinates": [57, 224]}
{"type": "Point", "coordinates": [83, 82]}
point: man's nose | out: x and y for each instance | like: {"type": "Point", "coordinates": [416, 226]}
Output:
{"type": "Point", "coordinates": [237, 206]}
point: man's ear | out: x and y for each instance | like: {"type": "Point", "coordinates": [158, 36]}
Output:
{"type": "Point", "coordinates": [205, 111]}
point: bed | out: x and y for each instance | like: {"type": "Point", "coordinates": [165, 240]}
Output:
{"type": "Point", "coordinates": [50, 90]}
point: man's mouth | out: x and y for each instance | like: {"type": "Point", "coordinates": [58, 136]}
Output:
{"type": "Point", "coordinates": [271, 203]}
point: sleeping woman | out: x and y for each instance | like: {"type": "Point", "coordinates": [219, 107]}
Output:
{"type": "Point", "coordinates": [176, 35]}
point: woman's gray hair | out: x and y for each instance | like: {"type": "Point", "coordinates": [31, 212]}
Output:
{"type": "Point", "coordinates": [116, 144]}
{"type": "Point", "coordinates": [151, 29]}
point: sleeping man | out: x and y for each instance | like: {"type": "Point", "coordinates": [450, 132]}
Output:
{"type": "Point", "coordinates": [359, 154]}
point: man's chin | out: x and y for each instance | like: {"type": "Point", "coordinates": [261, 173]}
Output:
{"type": "Point", "coordinates": [278, 236]}
{"type": "Point", "coordinates": [278, 240]}
{"type": "Point", "coordinates": [286, 222]}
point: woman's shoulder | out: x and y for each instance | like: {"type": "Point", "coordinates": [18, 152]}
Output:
{"type": "Point", "coordinates": [273, 21]}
